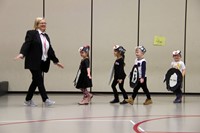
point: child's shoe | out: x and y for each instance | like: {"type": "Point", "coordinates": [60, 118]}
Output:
{"type": "Point", "coordinates": [178, 100]}
{"type": "Point", "coordinates": [114, 101]}
{"type": "Point", "coordinates": [124, 102]}
{"type": "Point", "coordinates": [147, 102]}
{"type": "Point", "coordinates": [130, 100]}
{"type": "Point", "coordinates": [85, 101]}
{"type": "Point", "coordinates": [90, 97]}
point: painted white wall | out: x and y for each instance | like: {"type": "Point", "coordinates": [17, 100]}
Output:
{"type": "Point", "coordinates": [69, 28]}
{"type": "Point", "coordinates": [193, 48]}
{"type": "Point", "coordinates": [115, 22]}
{"type": "Point", "coordinates": [163, 18]}
{"type": "Point", "coordinates": [16, 18]}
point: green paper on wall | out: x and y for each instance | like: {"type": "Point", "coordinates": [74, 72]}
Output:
{"type": "Point", "coordinates": [159, 41]}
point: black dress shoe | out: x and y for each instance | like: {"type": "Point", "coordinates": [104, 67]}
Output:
{"type": "Point", "coordinates": [123, 102]}
{"type": "Point", "coordinates": [114, 101]}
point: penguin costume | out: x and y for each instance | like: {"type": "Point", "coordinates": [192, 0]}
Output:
{"type": "Point", "coordinates": [134, 77]}
{"type": "Point", "coordinates": [173, 79]}
{"type": "Point", "coordinates": [174, 76]}
{"type": "Point", "coordinates": [119, 74]}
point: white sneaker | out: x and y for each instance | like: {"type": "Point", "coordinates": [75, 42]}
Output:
{"type": "Point", "coordinates": [48, 102]}
{"type": "Point", "coordinates": [30, 103]}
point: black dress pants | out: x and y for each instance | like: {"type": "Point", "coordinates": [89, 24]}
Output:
{"type": "Point", "coordinates": [37, 81]}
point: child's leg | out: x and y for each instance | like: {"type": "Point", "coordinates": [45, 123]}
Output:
{"type": "Point", "coordinates": [87, 94]}
{"type": "Point", "coordinates": [84, 101]}
{"type": "Point", "coordinates": [121, 87]}
{"type": "Point", "coordinates": [145, 89]}
{"type": "Point", "coordinates": [178, 93]}
{"type": "Point", "coordinates": [116, 96]}
{"type": "Point", "coordinates": [84, 92]}
{"type": "Point", "coordinates": [135, 90]}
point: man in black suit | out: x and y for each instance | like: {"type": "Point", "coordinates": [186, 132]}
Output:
{"type": "Point", "coordinates": [38, 52]}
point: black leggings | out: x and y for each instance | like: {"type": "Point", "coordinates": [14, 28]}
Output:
{"type": "Point", "coordinates": [121, 87]}
{"type": "Point", "coordinates": [178, 92]}
{"type": "Point", "coordinates": [144, 87]}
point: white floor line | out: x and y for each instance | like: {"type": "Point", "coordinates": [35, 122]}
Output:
{"type": "Point", "coordinates": [13, 121]}
{"type": "Point", "coordinates": [138, 127]}
{"type": "Point", "coordinates": [65, 120]}
{"type": "Point", "coordinates": [97, 120]}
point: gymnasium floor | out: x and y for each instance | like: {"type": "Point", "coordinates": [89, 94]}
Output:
{"type": "Point", "coordinates": [99, 117]}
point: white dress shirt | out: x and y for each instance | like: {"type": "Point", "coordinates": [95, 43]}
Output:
{"type": "Point", "coordinates": [44, 41]}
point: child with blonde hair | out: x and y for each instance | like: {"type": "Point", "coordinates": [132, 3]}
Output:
{"type": "Point", "coordinates": [178, 64]}
{"type": "Point", "coordinates": [83, 79]}
{"type": "Point", "coordinates": [140, 63]}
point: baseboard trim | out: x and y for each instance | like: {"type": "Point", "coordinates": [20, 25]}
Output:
{"type": "Point", "coordinates": [99, 92]}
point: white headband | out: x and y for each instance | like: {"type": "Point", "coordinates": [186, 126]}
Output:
{"type": "Point", "coordinates": [177, 52]}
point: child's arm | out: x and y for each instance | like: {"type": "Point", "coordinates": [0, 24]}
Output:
{"type": "Point", "coordinates": [88, 73]}
{"type": "Point", "coordinates": [87, 63]}
{"type": "Point", "coordinates": [183, 69]}
{"type": "Point", "coordinates": [183, 72]}
{"type": "Point", "coordinates": [143, 71]}
{"type": "Point", "coordinates": [120, 71]}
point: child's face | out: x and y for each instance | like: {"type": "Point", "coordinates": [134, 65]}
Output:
{"type": "Point", "coordinates": [116, 53]}
{"type": "Point", "coordinates": [139, 54]}
{"type": "Point", "coordinates": [83, 54]}
{"type": "Point", "coordinates": [177, 57]}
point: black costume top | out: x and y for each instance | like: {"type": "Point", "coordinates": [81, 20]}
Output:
{"type": "Point", "coordinates": [83, 80]}
{"type": "Point", "coordinates": [119, 72]}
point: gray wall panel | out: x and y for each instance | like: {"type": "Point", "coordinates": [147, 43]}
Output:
{"type": "Point", "coordinates": [115, 22]}
{"type": "Point", "coordinates": [16, 18]}
{"type": "Point", "coordinates": [69, 28]}
{"type": "Point", "coordinates": [192, 49]}
{"type": "Point", "coordinates": [164, 18]}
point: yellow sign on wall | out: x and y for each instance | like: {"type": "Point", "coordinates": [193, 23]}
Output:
{"type": "Point", "coordinates": [159, 41]}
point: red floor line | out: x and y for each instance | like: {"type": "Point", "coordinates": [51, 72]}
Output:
{"type": "Point", "coordinates": [100, 117]}
{"type": "Point", "coordinates": [136, 126]}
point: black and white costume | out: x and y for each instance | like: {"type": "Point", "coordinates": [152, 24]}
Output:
{"type": "Point", "coordinates": [134, 77]}
{"type": "Point", "coordinates": [173, 79]}
{"type": "Point", "coordinates": [141, 64]}
{"type": "Point", "coordinates": [180, 66]}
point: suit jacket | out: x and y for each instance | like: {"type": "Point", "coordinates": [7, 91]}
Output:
{"type": "Point", "coordinates": [32, 51]}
